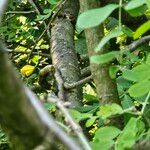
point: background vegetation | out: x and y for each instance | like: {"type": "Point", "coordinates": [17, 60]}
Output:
{"type": "Point", "coordinates": [88, 62]}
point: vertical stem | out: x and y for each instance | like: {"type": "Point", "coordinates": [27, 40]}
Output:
{"type": "Point", "coordinates": [120, 12]}
{"type": "Point", "coordinates": [145, 102]}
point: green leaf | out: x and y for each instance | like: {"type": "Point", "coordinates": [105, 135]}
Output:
{"type": "Point", "coordinates": [80, 46]}
{"type": "Point", "coordinates": [142, 29]}
{"type": "Point", "coordinates": [125, 84]}
{"type": "Point", "coordinates": [102, 145]}
{"type": "Point", "coordinates": [139, 89]}
{"type": "Point", "coordinates": [52, 2]}
{"type": "Point", "coordinates": [47, 11]}
{"type": "Point", "coordinates": [148, 134]}
{"type": "Point", "coordinates": [106, 133]}
{"type": "Point", "coordinates": [148, 3]}
{"type": "Point", "coordinates": [104, 136]}
{"type": "Point", "coordinates": [50, 106]}
{"type": "Point", "coordinates": [90, 121]}
{"type": "Point", "coordinates": [88, 108]}
{"type": "Point", "coordinates": [35, 59]}
{"type": "Point", "coordinates": [129, 75]}
{"type": "Point", "coordinates": [127, 31]}
{"type": "Point", "coordinates": [95, 17]}
{"type": "Point", "coordinates": [148, 59]}
{"type": "Point", "coordinates": [142, 72]}
{"type": "Point", "coordinates": [111, 23]}
{"type": "Point", "coordinates": [134, 4]}
{"type": "Point", "coordinates": [43, 17]}
{"type": "Point", "coordinates": [79, 116]}
{"type": "Point", "coordinates": [104, 58]}
{"type": "Point", "coordinates": [113, 71]}
{"type": "Point", "coordinates": [109, 110]}
{"type": "Point", "coordinates": [138, 11]}
{"type": "Point", "coordinates": [140, 127]}
{"type": "Point", "coordinates": [90, 98]}
{"type": "Point", "coordinates": [128, 137]}
{"type": "Point", "coordinates": [139, 73]}
{"type": "Point", "coordinates": [112, 34]}
{"type": "Point", "coordinates": [127, 102]}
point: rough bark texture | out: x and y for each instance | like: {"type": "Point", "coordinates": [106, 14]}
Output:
{"type": "Point", "coordinates": [22, 116]}
{"type": "Point", "coordinates": [63, 51]}
{"type": "Point", "coordinates": [106, 87]}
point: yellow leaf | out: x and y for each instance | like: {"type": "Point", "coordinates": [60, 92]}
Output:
{"type": "Point", "coordinates": [27, 70]}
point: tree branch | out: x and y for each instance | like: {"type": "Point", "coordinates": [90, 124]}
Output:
{"type": "Point", "coordinates": [138, 43]}
{"type": "Point", "coordinates": [76, 128]}
{"type": "Point", "coordinates": [28, 52]}
{"type": "Point", "coordinates": [20, 12]}
{"type": "Point", "coordinates": [24, 118]}
{"type": "Point", "coordinates": [78, 83]}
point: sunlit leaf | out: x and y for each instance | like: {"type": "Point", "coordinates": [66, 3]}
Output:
{"type": "Point", "coordinates": [113, 71]}
{"type": "Point", "coordinates": [142, 29]}
{"type": "Point", "coordinates": [109, 110]}
{"type": "Point", "coordinates": [27, 70]}
{"type": "Point", "coordinates": [90, 121]}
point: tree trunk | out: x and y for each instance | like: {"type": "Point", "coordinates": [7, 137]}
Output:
{"type": "Point", "coordinates": [63, 51]}
{"type": "Point", "coordinates": [105, 86]}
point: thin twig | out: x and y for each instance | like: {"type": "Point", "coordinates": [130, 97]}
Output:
{"type": "Point", "coordinates": [78, 83]}
{"type": "Point", "coordinates": [138, 43]}
{"type": "Point", "coordinates": [49, 122]}
{"type": "Point", "coordinates": [76, 128]}
{"type": "Point", "coordinates": [59, 102]}
{"type": "Point", "coordinates": [38, 12]}
{"type": "Point", "coordinates": [47, 69]}
{"type": "Point", "coordinates": [47, 29]}
{"type": "Point", "coordinates": [20, 12]}
{"type": "Point", "coordinates": [59, 5]}
{"type": "Point", "coordinates": [28, 52]}
{"type": "Point", "coordinates": [120, 12]}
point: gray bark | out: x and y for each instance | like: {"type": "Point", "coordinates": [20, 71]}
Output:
{"type": "Point", "coordinates": [63, 51]}
{"type": "Point", "coordinates": [105, 86]}
{"type": "Point", "coordinates": [23, 117]}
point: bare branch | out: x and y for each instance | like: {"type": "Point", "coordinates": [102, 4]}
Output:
{"type": "Point", "coordinates": [73, 85]}
{"type": "Point", "coordinates": [59, 6]}
{"type": "Point", "coordinates": [76, 128]}
{"type": "Point", "coordinates": [138, 43]}
{"type": "Point", "coordinates": [25, 118]}
{"type": "Point", "coordinates": [2, 8]}
{"type": "Point", "coordinates": [28, 52]}
{"type": "Point", "coordinates": [47, 29]}
{"type": "Point", "coordinates": [20, 12]}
